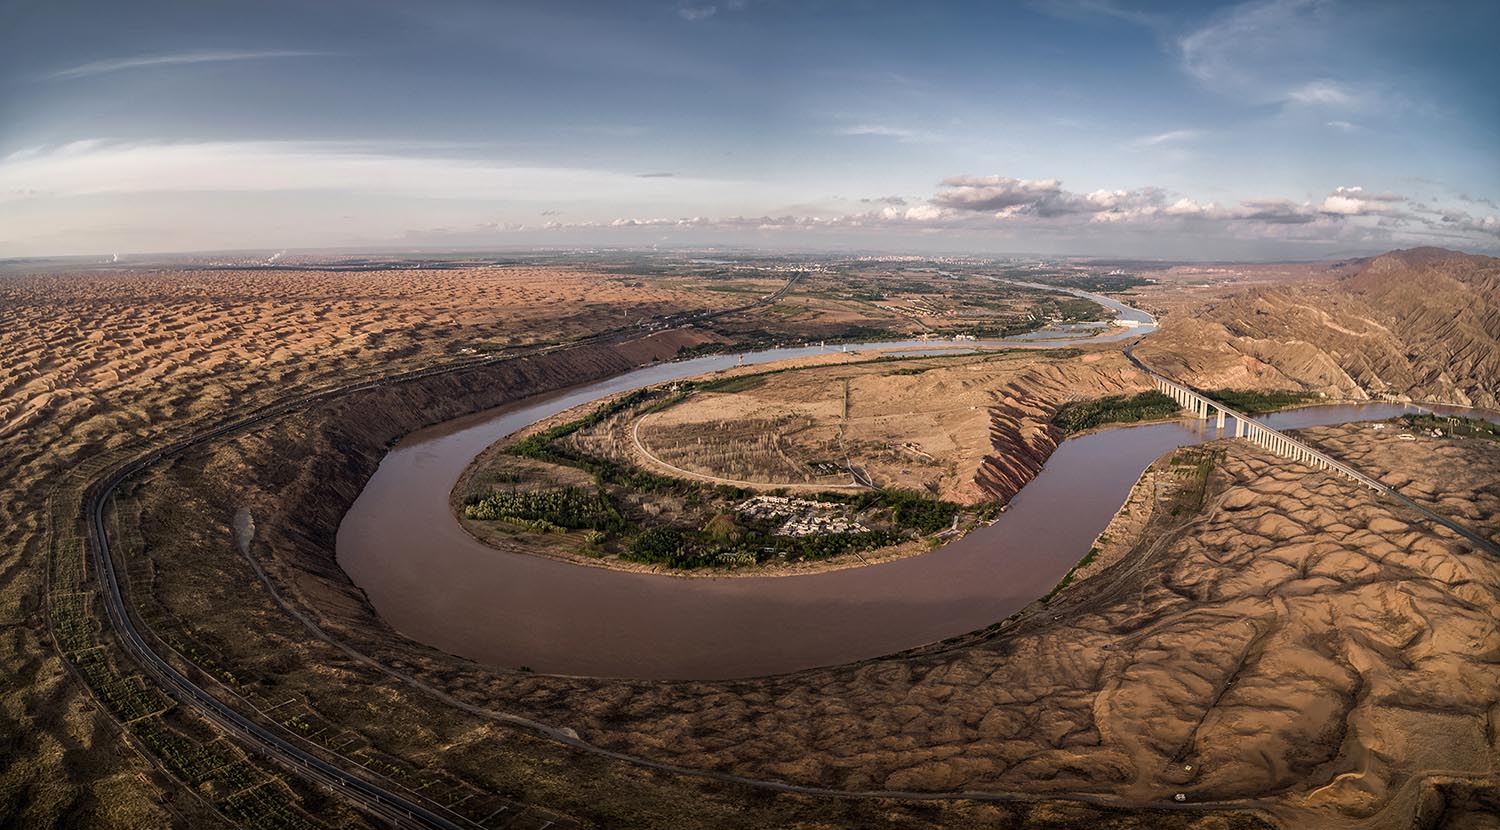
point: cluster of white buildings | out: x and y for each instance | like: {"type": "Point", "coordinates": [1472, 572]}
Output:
{"type": "Point", "coordinates": [802, 517]}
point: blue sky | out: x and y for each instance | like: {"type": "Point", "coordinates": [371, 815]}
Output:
{"type": "Point", "coordinates": [1279, 128]}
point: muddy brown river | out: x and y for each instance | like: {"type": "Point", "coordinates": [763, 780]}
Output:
{"type": "Point", "coordinates": [434, 583]}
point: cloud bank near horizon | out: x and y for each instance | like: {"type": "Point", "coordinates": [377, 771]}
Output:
{"type": "Point", "coordinates": [966, 209]}
{"type": "Point", "coordinates": [1233, 127]}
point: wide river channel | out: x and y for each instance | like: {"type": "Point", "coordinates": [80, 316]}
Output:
{"type": "Point", "coordinates": [434, 583]}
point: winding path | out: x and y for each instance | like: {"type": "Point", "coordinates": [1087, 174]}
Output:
{"type": "Point", "coordinates": [368, 791]}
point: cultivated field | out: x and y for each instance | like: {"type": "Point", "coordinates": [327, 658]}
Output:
{"type": "Point", "coordinates": [918, 424]}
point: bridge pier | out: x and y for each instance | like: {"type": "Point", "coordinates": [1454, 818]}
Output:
{"type": "Point", "coordinates": [1272, 440]}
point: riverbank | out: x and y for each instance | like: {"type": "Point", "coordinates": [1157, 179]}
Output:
{"type": "Point", "coordinates": [892, 435]}
{"type": "Point", "coordinates": [1096, 697]}
{"type": "Point", "coordinates": [1114, 664]}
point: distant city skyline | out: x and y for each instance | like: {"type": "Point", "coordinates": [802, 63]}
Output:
{"type": "Point", "coordinates": [1256, 130]}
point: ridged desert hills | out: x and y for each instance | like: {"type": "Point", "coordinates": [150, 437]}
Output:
{"type": "Point", "coordinates": [1420, 324]}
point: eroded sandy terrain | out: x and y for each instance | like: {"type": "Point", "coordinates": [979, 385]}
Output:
{"type": "Point", "coordinates": [1287, 648]}
{"type": "Point", "coordinates": [74, 341]}
{"type": "Point", "coordinates": [98, 361]}
{"type": "Point", "coordinates": [1297, 648]}
{"type": "Point", "coordinates": [1413, 325]}
{"type": "Point", "coordinates": [1306, 651]}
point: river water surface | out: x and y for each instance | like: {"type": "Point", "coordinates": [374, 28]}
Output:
{"type": "Point", "coordinates": [434, 583]}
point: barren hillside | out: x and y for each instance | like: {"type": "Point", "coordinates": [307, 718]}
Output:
{"type": "Point", "coordinates": [1422, 324]}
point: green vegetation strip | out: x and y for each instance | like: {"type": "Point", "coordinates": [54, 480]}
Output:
{"type": "Point", "coordinates": [1191, 469]}
{"type": "Point", "coordinates": [573, 508]}
{"type": "Point", "coordinates": [1452, 425]}
{"type": "Point", "coordinates": [1117, 409]}
{"type": "Point", "coordinates": [1252, 402]}
{"type": "Point", "coordinates": [727, 540]}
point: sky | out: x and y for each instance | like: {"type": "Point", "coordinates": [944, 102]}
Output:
{"type": "Point", "coordinates": [1269, 129]}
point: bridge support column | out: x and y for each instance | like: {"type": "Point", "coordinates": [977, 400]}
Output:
{"type": "Point", "coordinates": [1220, 423]}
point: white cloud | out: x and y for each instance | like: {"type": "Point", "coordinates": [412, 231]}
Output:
{"type": "Point", "coordinates": [1464, 221]}
{"type": "Point", "coordinates": [1354, 201]}
{"type": "Point", "coordinates": [102, 67]}
{"type": "Point", "coordinates": [925, 213]}
{"type": "Point", "coordinates": [1275, 212]}
{"type": "Point", "coordinates": [1000, 193]}
{"type": "Point", "coordinates": [1343, 126]}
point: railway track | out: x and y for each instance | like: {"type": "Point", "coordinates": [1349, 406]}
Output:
{"type": "Point", "coordinates": [366, 791]}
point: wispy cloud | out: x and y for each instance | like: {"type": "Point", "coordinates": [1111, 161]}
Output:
{"type": "Point", "coordinates": [887, 131]}
{"type": "Point", "coordinates": [104, 67]}
{"type": "Point", "coordinates": [88, 168]}
{"type": "Point", "coordinates": [1169, 137]}
{"type": "Point", "coordinates": [1229, 50]}
{"type": "Point", "coordinates": [1325, 93]}
{"type": "Point", "coordinates": [693, 12]}
{"type": "Point", "coordinates": [1095, 10]}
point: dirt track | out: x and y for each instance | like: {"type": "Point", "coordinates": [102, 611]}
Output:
{"type": "Point", "coordinates": [1212, 650]}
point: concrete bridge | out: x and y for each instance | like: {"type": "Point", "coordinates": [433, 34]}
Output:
{"type": "Point", "coordinates": [1288, 447]}
{"type": "Point", "coordinates": [1273, 440]}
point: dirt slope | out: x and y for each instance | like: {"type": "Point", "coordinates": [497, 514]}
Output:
{"type": "Point", "coordinates": [1422, 324]}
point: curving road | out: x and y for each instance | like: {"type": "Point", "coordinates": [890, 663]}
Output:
{"type": "Point", "coordinates": [367, 791]}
